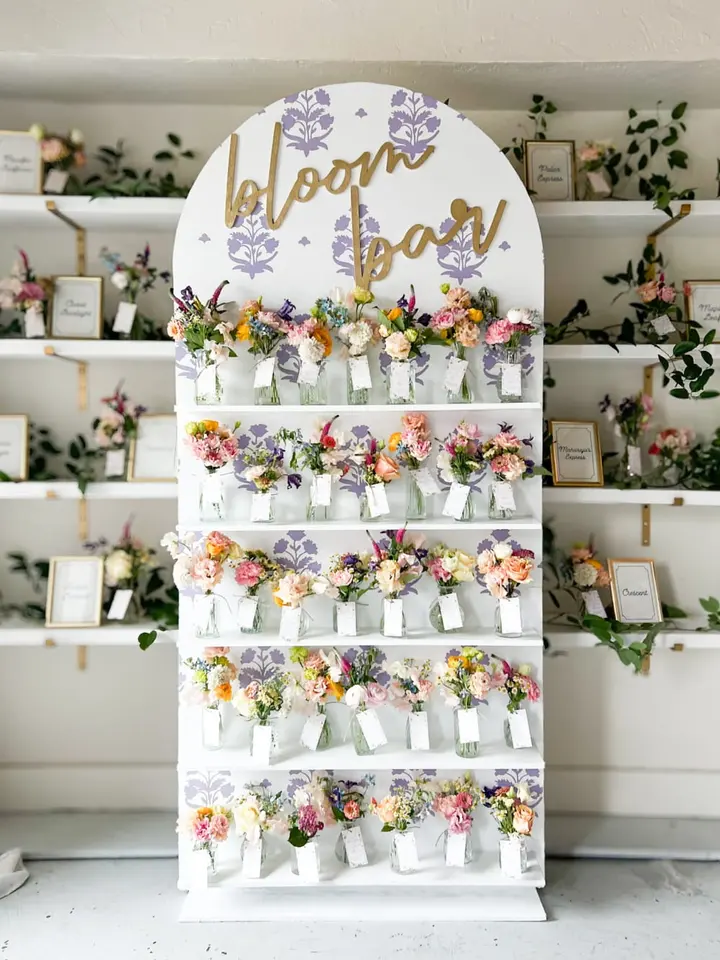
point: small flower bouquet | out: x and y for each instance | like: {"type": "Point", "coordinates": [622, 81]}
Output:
{"type": "Point", "coordinates": [456, 801]}
{"type": "Point", "coordinates": [263, 330]}
{"type": "Point", "coordinates": [505, 336]}
{"type": "Point", "coordinates": [364, 692]}
{"type": "Point", "coordinates": [214, 446]}
{"type": "Point", "coordinates": [208, 338]}
{"type": "Point", "coordinates": [449, 568]}
{"type": "Point", "coordinates": [127, 564]}
{"type": "Point", "coordinates": [403, 808]}
{"type": "Point", "coordinates": [631, 418]}
{"type": "Point", "coordinates": [587, 575]}
{"type": "Point", "coordinates": [207, 827]}
{"type": "Point", "coordinates": [457, 322]}
{"type": "Point", "coordinates": [211, 681]}
{"type": "Point", "coordinates": [349, 803]}
{"type": "Point", "coordinates": [323, 454]}
{"type": "Point", "coordinates": [509, 807]}
{"type": "Point", "coordinates": [502, 454]}
{"type": "Point", "coordinates": [412, 446]}
{"type": "Point", "coordinates": [265, 468]}
{"type": "Point", "coordinates": [253, 568]}
{"type": "Point", "coordinates": [320, 680]}
{"type": "Point", "coordinates": [346, 579]}
{"type": "Point", "coordinates": [658, 307]}
{"type": "Point", "coordinates": [394, 567]}
{"type": "Point", "coordinates": [61, 154]}
{"type": "Point", "coordinates": [290, 591]}
{"type": "Point", "coordinates": [259, 702]}
{"type": "Point", "coordinates": [199, 566]}
{"type": "Point", "coordinates": [598, 160]}
{"type": "Point", "coordinates": [503, 568]}
{"type": "Point", "coordinates": [672, 448]}
{"type": "Point", "coordinates": [410, 689]}
{"type": "Point", "coordinates": [464, 679]}
{"type": "Point", "coordinates": [311, 812]}
{"type": "Point", "coordinates": [117, 423]}
{"type": "Point", "coordinates": [356, 332]}
{"type": "Point", "coordinates": [257, 811]}
{"type": "Point", "coordinates": [132, 280]}
{"type": "Point", "coordinates": [313, 342]}
{"type": "Point", "coordinates": [404, 336]}
{"type": "Point", "coordinates": [25, 292]}
{"type": "Point", "coordinates": [459, 459]}
{"type": "Point", "coordinates": [518, 686]}
{"type": "Point", "coordinates": [377, 469]}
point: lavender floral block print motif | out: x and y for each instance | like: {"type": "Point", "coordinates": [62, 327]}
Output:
{"type": "Point", "coordinates": [458, 258]}
{"type": "Point", "coordinates": [413, 123]}
{"type": "Point", "coordinates": [342, 247]}
{"type": "Point", "coordinates": [251, 246]}
{"type": "Point", "coordinates": [261, 664]}
{"type": "Point", "coordinates": [206, 789]}
{"type": "Point", "coordinates": [306, 122]}
{"type": "Point", "coordinates": [531, 778]}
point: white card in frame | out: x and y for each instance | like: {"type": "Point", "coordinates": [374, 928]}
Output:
{"type": "Point", "coordinates": [21, 166]}
{"type": "Point", "coordinates": [550, 169]}
{"type": "Point", "coordinates": [634, 591]}
{"type": "Point", "coordinates": [75, 592]}
{"type": "Point", "coordinates": [575, 454]}
{"type": "Point", "coordinates": [77, 308]}
{"type": "Point", "coordinates": [702, 303]}
{"type": "Point", "coordinates": [14, 445]}
{"type": "Point", "coordinates": [153, 451]}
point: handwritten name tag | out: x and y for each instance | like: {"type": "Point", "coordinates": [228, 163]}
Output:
{"type": "Point", "coordinates": [309, 373]}
{"type": "Point", "coordinates": [246, 610]}
{"type": "Point", "coordinates": [120, 603]}
{"type": "Point", "coordinates": [455, 850]}
{"type": "Point", "coordinates": [354, 847]}
{"type": "Point", "coordinates": [312, 731]}
{"type": "Point", "coordinates": [634, 460]}
{"type": "Point", "coordinates": [198, 870]}
{"type": "Point", "coordinates": [504, 496]}
{"type": "Point", "coordinates": [407, 852]}
{"type": "Point", "coordinates": [468, 725]}
{"type": "Point", "coordinates": [456, 500]}
{"type": "Point", "coordinates": [264, 371]}
{"type": "Point", "coordinates": [308, 862]}
{"type": "Point", "coordinates": [450, 612]}
{"type": "Point", "coordinates": [593, 604]}
{"type": "Point", "coordinates": [360, 373]}
{"type": "Point", "coordinates": [260, 507]}
{"type": "Point", "coordinates": [56, 181]}
{"type": "Point", "coordinates": [321, 490]}
{"type": "Point", "coordinates": [400, 379]}
{"type": "Point", "coordinates": [454, 373]}
{"type": "Point", "coordinates": [510, 619]}
{"type": "Point", "coordinates": [290, 618]}
{"type": "Point", "coordinates": [115, 463]}
{"type": "Point", "coordinates": [662, 326]}
{"type": "Point", "coordinates": [427, 484]}
{"type": "Point", "coordinates": [510, 379]}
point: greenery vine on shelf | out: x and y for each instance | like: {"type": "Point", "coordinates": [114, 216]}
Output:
{"type": "Point", "coordinates": [118, 179]}
{"type": "Point", "coordinates": [540, 110]}
{"type": "Point", "coordinates": [653, 137]}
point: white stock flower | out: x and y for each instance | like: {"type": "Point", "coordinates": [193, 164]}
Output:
{"type": "Point", "coordinates": [182, 572]}
{"type": "Point", "coordinates": [311, 350]}
{"type": "Point", "coordinates": [584, 574]}
{"type": "Point", "coordinates": [119, 279]}
{"type": "Point", "coordinates": [118, 567]}
{"type": "Point", "coordinates": [171, 542]}
{"type": "Point", "coordinates": [355, 696]}
{"type": "Point", "coordinates": [217, 352]}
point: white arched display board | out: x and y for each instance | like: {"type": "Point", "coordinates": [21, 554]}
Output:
{"type": "Point", "coordinates": [373, 185]}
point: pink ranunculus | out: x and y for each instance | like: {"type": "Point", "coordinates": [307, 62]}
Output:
{"type": "Point", "coordinates": [32, 291]}
{"type": "Point", "coordinates": [248, 573]}
{"type": "Point", "coordinates": [480, 684]}
{"type": "Point", "coordinates": [668, 294]}
{"type": "Point", "coordinates": [499, 331]}
{"type": "Point", "coordinates": [445, 806]}
{"type": "Point", "coordinates": [206, 573]}
{"type": "Point", "coordinates": [509, 466]}
{"type": "Point", "coordinates": [506, 440]}
{"type": "Point", "coordinates": [376, 694]}
{"type": "Point", "coordinates": [219, 825]}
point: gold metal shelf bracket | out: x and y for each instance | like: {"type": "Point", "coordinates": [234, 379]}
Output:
{"type": "Point", "coordinates": [82, 372]}
{"type": "Point", "coordinates": [646, 524]}
{"type": "Point", "coordinates": [82, 658]}
{"type": "Point", "coordinates": [82, 520]}
{"type": "Point", "coordinates": [80, 246]}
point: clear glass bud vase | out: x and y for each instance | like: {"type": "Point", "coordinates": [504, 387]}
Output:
{"type": "Point", "coordinates": [268, 396]}
{"type": "Point", "coordinates": [315, 394]}
{"type": "Point", "coordinates": [205, 616]}
{"type": "Point", "coordinates": [258, 614]}
{"type": "Point", "coordinates": [212, 497]}
{"type": "Point", "coordinates": [509, 384]}
{"type": "Point", "coordinates": [470, 749]}
{"type": "Point", "coordinates": [340, 848]}
{"type": "Point", "coordinates": [416, 503]}
{"type": "Point", "coordinates": [459, 838]}
{"type": "Point", "coordinates": [356, 397]}
{"type": "Point", "coordinates": [398, 863]}
{"type": "Point", "coordinates": [435, 613]}
{"type": "Point", "coordinates": [326, 736]}
{"type": "Point", "coordinates": [495, 511]}
{"type": "Point", "coordinates": [315, 510]}
{"type": "Point", "coordinates": [463, 394]}
{"type": "Point", "coordinates": [401, 375]}
{"type": "Point", "coordinates": [116, 465]}
{"type": "Point", "coordinates": [512, 850]}
{"type": "Point", "coordinates": [208, 389]}
{"type": "Point", "coordinates": [358, 737]}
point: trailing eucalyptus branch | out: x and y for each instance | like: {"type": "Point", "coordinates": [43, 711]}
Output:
{"type": "Point", "coordinates": [540, 110]}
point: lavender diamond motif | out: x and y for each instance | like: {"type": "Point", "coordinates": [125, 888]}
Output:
{"type": "Point", "coordinates": [342, 247]}
{"type": "Point", "coordinates": [362, 112]}
{"type": "Point", "coordinates": [458, 258]}
{"type": "Point", "coordinates": [251, 247]}
{"type": "Point", "coordinates": [413, 122]}
{"type": "Point", "coordinates": [204, 238]}
{"type": "Point", "coordinates": [306, 123]}
{"type": "Point", "coordinates": [303, 241]}
{"type": "Point", "coordinates": [504, 245]}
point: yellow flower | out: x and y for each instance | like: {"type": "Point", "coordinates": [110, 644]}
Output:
{"type": "Point", "coordinates": [394, 441]}
{"type": "Point", "coordinates": [203, 812]}
{"type": "Point", "coordinates": [394, 313]}
{"type": "Point", "coordinates": [209, 425]}
{"type": "Point", "coordinates": [223, 692]}
{"type": "Point", "coordinates": [361, 295]}
{"type": "Point", "coordinates": [243, 331]}
{"type": "Point", "coordinates": [453, 663]}
{"type": "Point", "coordinates": [476, 316]}
{"type": "Point", "coordinates": [322, 335]}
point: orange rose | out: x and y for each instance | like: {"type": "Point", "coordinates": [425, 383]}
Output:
{"type": "Point", "coordinates": [203, 812]}
{"type": "Point", "coordinates": [394, 313]}
{"type": "Point", "coordinates": [386, 468]}
{"type": "Point", "coordinates": [394, 441]}
{"type": "Point", "coordinates": [223, 692]}
{"type": "Point", "coordinates": [518, 568]}
{"type": "Point", "coordinates": [322, 335]}
{"type": "Point", "coordinates": [523, 818]}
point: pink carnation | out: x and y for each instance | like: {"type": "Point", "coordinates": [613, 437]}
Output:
{"type": "Point", "coordinates": [509, 466]}
{"type": "Point", "coordinates": [201, 831]}
{"type": "Point", "coordinates": [219, 827]}
{"type": "Point", "coordinates": [248, 573]}
{"type": "Point", "coordinates": [460, 823]}
{"type": "Point", "coordinates": [499, 331]}
{"type": "Point", "coordinates": [442, 319]}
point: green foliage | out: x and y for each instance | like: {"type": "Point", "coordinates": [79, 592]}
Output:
{"type": "Point", "coordinates": [43, 448]}
{"type": "Point", "coordinates": [540, 110]}
{"type": "Point", "coordinates": [711, 606]}
{"type": "Point", "coordinates": [160, 602]}
{"type": "Point", "coordinates": [654, 141]}
{"type": "Point", "coordinates": [81, 462]}
{"type": "Point", "coordinates": [12, 328]}
{"type": "Point", "coordinates": [36, 573]}
{"type": "Point", "coordinates": [118, 179]}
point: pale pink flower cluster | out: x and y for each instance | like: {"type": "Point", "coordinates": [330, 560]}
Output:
{"type": "Point", "coordinates": [657, 290]}
{"type": "Point", "coordinates": [501, 452]}
{"type": "Point", "coordinates": [248, 573]}
{"type": "Point", "coordinates": [504, 568]}
{"type": "Point", "coordinates": [415, 439]}
{"type": "Point", "coordinates": [456, 320]}
{"type": "Point", "coordinates": [673, 443]}
{"type": "Point", "coordinates": [206, 573]}
{"type": "Point", "coordinates": [397, 346]}
{"type": "Point", "coordinates": [214, 449]}
{"type": "Point", "coordinates": [456, 810]}
{"type": "Point", "coordinates": [508, 330]}
{"type": "Point", "coordinates": [294, 587]}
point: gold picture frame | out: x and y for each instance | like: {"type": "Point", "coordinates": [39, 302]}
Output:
{"type": "Point", "coordinates": [640, 573]}
{"type": "Point", "coordinates": [31, 176]}
{"type": "Point", "coordinates": [138, 474]}
{"type": "Point", "coordinates": [689, 308]}
{"type": "Point", "coordinates": [95, 600]}
{"type": "Point", "coordinates": [587, 439]}
{"type": "Point", "coordinates": [563, 169]}
{"type": "Point", "coordinates": [24, 452]}
{"type": "Point", "coordinates": [96, 323]}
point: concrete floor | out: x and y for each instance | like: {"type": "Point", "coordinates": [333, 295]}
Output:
{"type": "Point", "coordinates": [120, 909]}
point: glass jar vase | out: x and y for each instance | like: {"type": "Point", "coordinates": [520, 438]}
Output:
{"type": "Point", "coordinates": [318, 491]}
{"type": "Point", "coordinates": [509, 384]}
{"type": "Point", "coordinates": [435, 613]}
{"type": "Point", "coordinates": [463, 394]}
{"type": "Point", "coordinates": [508, 617]}
{"type": "Point", "coordinates": [466, 748]}
{"type": "Point", "coordinates": [345, 618]}
{"type": "Point", "coordinates": [459, 840]}
{"type": "Point", "coordinates": [251, 614]}
{"type": "Point", "coordinates": [400, 381]}
{"type": "Point", "coordinates": [340, 848]}
{"type": "Point", "coordinates": [208, 389]}
{"type": "Point", "coordinates": [205, 616]}
{"type": "Point", "coordinates": [385, 616]}
{"type": "Point", "coordinates": [253, 855]}
{"type": "Point", "coordinates": [356, 396]}
{"type": "Point", "coordinates": [116, 465]}
{"type": "Point", "coordinates": [416, 502]}
{"type": "Point", "coordinates": [403, 861]}
{"type": "Point", "coordinates": [263, 746]}
{"type": "Point", "coordinates": [311, 856]}
{"type": "Point", "coordinates": [326, 738]}
{"type": "Point", "coordinates": [512, 851]}
{"type": "Point", "coordinates": [212, 497]}
{"type": "Point", "coordinates": [362, 749]}
{"type": "Point", "coordinates": [315, 394]}
{"type": "Point", "coordinates": [267, 395]}
{"type": "Point", "coordinates": [212, 727]}
{"type": "Point", "coordinates": [498, 502]}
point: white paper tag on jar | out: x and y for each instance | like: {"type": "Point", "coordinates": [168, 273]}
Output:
{"type": "Point", "coordinates": [372, 728]}
{"type": "Point", "coordinates": [56, 181]}
{"type": "Point", "coordinates": [290, 618]}
{"type": "Point", "coordinates": [419, 731]}
{"type": "Point", "coordinates": [455, 850]}
{"type": "Point", "coordinates": [360, 373]}
{"type": "Point", "coordinates": [450, 611]}
{"type": "Point", "coordinates": [120, 603]}
{"type": "Point", "coordinates": [504, 496]}
{"type": "Point", "coordinates": [264, 371]}
{"type": "Point", "coordinates": [468, 725]}
{"type": "Point", "coordinates": [246, 610]}
{"type": "Point", "coordinates": [260, 507]}
{"type": "Point", "coordinates": [307, 861]}
{"type": "Point", "coordinates": [510, 619]}
{"type": "Point", "coordinates": [456, 500]}
{"type": "Point", "coordinates": [308, 373]}
{"type": "Point", "coordinates": [124, 317]}
{"type": "Point", "coordinates": [354, 847]}
{"type": "Point", "coordinates": [454, 373]}
{"type": "Point", "coordinates": [321, 490]}
{"type": "Point", "coordinates": [406, 851]}
{"type": "Point", "coordinates": [511, 379]}
{"type": "Point", "coordinates": [211, 728]}
{"type": "Point", "coordinates": [599, 182]}
{"type": "Point", "coordinates": [347, 619]}
{"type": "Point", "coordinates": [426, 482]}
{"type": "Point", "coordinates": [519, 729]}
{"type": "Point", "coordinates": [34, 323]}
{"type": "Point", "coordinates": [261, 744]}
{"type": "Point", "coordinates": [198, 872]}
{"type": "Point", "coordinates": [312, 731]}
{"type": "Point", "coordinates": [115, 463]}
{"type": "Point", "coordinates": [377, 499]}
{"type": "Point", "coordinates": [662, 326]}
{"type": "Point", "coordinates": [252, 860]}
{"type": "Point", "coordinates": [392, 618]}
{"type": "Point", "coordinates": [634, 460]}
{"type": "Point", "coordinates": [593, 604]}
{"type": "Point", "coordinates": [511, 859]}
{"type": "Point", "coordinates": [400, 379]}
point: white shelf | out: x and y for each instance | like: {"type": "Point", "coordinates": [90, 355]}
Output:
{"type": "Point", "coordinates": [340, 526]}
{"type": "Point", "coordinates": [567, 638]}
{"type": "Point", "coordinates": [68, 490]}
{"type": "Point", "coordinates": [109, 350]}
{"type": "Point", "coordinates": [358, 410]}
{"type": "Point", "coordinates": [624, 218]}
{"type": "Point", "coordinates": [20, 634]}
{"type": "Point", "coordinates": [343, 757]}
{"type": "Point", "coordinates": [104, 213]}
{"type": "Point", "coordinates": [614, 497]}
{"type": "Point", "coordinates": [642, 353]}
{"type": "Point", "coordinates": [314, 638]}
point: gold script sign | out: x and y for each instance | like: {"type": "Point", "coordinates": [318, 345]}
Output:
{"type": "Point", "coordinates": [378, 260]}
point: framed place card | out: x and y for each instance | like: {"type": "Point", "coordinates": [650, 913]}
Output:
{"type": "Point", "coordinates": [76, 312]}
{"type": "Point", "coordinates": [550, 169]}
{"type": "Point", "coordinates": [21, 167]}
{"type": "Point", "coordinates": [702, 303]}
{"type": "Point", "coordinates": [634, 591]}
{"type": "Point", "coordinates": [75, 592]}
{"type": "Point", "coordinates": [153, 451]}
{"type": "Point", "coordinates": [14, 446]}
{"type": "Point", "coordinates": [575, 454]}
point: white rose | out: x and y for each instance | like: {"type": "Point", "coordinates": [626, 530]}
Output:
{"type": "Point", "coordinates": [584, 574]}
{"type": "Point", "coordinates": [76, 137]}
{"type": "Point", "coordinates": [118, 567]}
{"type": "Point", "coordinates": [519, 315]}
{"type": "Point", "coordinates": [182, 576]}
{"type": "Point", "coordinates": [502, 551]}
{"type": "Point", "coordinates": [247, 819]}
{"type": "Point", "coordinates": [355, 696]}
{"type": "Point", "coordinates": [523, 792]}
{"type": "Point", "coordinates": [119, 279]}
{"type": "Point", "coordinates": [244, 705]}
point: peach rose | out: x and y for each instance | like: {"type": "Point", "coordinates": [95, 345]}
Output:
{"type": "Point", "coordinates": [485, 562]}
{"type": "Point", "coordinates": [386, 468]}
{"type": "Point", "coordinates": [414, 421]}
{"type": "Point", "coordinates": [523, 818]}
{"type": "Point", "coordinates": [385, 810]}
{"type": "Point", "coordinates": [518, 569]}
{"type": "Point", "coordinates": [467, 334]}
{"type": "Point", "coordinates": [496, 582]}
{"type": "Point", "coordinates": [397, 346]}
